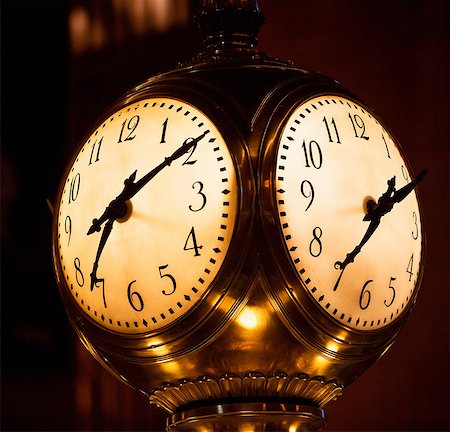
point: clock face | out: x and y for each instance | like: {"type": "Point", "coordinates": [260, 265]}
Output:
{"type": "Point", "coordinates": [335, 161]}
{"type": "Point", "coordinates": [138, 263]}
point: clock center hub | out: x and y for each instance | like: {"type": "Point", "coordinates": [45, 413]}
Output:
{"type": "Point", "coordinates": [369, 204]}
{"type": "Point", "coordinates": [125, 212]}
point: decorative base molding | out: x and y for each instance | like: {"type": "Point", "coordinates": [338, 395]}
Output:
{"type": "Point", "coordinates": [247, 417]}
{"type": "Point", "coordinates": [253, 385]}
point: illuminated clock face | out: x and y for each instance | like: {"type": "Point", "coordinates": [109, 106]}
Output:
{"type": "Point", "coordinates": [348, 212]}
{"type": "Point", "coordinates": [146, 215]}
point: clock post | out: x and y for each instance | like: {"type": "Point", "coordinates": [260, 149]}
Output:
{"type": "Point", "coordinates": [254, 241]}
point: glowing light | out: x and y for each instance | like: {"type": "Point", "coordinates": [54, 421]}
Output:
{"type": "Point", "coordinates": [93, 26]}
{"type": "Point", "coordinates": [172, 368]}
{"type": "Point", "coordinates": [250, 318]}
{"type": "Point", "coordinates": [333, 346]}
{"type": "Point", "coordinates": [79, 26]}
{"type": "Point", "coordinates": [320, 363]}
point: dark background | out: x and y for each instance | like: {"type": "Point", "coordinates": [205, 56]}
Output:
{"type": "Point", "coordinates": [393, 55]}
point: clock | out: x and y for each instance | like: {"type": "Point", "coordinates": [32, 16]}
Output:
{"type": "Point", "coordinates": [227, 207]}
{"type": "Point", "coordinates": [145, 215]}
{"type": "Point", "coordinates": [347, 213]}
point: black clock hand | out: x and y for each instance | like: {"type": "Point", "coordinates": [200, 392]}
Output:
{"type": "Point", "coordinates": [116, 207]}
{"type": "Point", "coordinates": [105, 234]}
{"type": "Point", "coordinates": [386, 201]}
{"type": "Point", "coordinates": [375, 213]}
{"type": "Point", "coordinates": [94, 279]}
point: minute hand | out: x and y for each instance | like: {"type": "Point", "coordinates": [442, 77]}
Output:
{"type": "Point", "coordinates": [387, 201]}
{"type": "Point", "coordinates": [131, 188]}
{"type": "Point", "coordinates": [187, 145]}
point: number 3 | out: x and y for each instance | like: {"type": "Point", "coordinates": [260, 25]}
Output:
{"type": "Point", "coordinates": [199, 192]}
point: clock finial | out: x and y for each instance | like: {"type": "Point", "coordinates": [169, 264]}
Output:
{"type": "Point", "coordinates": [229, 23]}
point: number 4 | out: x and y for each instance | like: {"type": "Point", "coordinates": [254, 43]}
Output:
{"type": "Point", "coordinates": [195, 246]}
{"type": "Point", "coordinates": [409, 269]}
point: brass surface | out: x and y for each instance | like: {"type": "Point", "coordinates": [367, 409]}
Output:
{"type": "Point", "coordinates": [248, 417]}
{"type": "Point", "coordinates": [230, 386]}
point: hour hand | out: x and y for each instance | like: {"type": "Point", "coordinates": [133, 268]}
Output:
{"type": "Point", "coordinates": [116, 207]}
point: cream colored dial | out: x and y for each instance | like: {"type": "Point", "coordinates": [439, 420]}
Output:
{"type": "Point", "coordinates": [146, 215]}
{"type": "Point", "coordinates": [333, 163]}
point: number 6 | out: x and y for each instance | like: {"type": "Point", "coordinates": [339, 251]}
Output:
{"type": "Point", "coordinates": [365, 293]}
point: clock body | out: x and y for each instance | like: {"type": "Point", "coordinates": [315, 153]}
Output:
{"type": "Point", "coordinates": [233, 247]}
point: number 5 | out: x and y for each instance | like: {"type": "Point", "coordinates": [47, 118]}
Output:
{"type": "Point", "coordinates": [174, 283]}
{"type": "Point", "coordinates": [393, 293]}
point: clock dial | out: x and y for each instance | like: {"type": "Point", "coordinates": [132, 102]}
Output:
{"type": "Point", "coordinates": [146, 215]}
{"type": "Point", "coordinates": [348, 212]}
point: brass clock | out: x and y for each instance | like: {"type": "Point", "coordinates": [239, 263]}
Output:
{"type": "Point", "coordinates": [146, 214]}
{"type": "Point", "coordinates": [239, 239]}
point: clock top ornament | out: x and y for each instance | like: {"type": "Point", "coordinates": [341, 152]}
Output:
{"type": "Point", "coordinates": [230, 206]}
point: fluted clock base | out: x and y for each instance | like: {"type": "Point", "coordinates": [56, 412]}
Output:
{"type": "Point", "coordinates": [248, 417]}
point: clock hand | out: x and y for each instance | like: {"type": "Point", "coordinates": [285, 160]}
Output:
{"type": "Point", "coordinates": [105, 234]}
{"type": "Point", "coordinates": [94, 279]}
{"type": "Point", "coordinates": [116, 207]}
{"type": "Point", "coordinates": [375, 213]}
{"type": "Point", "coordinates": [386, 201]}
{"type": "Point", "coordinates": [374, 223]}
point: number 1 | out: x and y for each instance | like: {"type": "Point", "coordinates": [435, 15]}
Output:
{"type": "Point", "coordinates": [163, 135]}
{"type": "Point", "coordinates": [387, 148]}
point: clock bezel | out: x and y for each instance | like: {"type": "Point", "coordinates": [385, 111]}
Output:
{"type": "Point", "coordinates": [222, 299]}
{"type": "Point", "coordinates": [287, 288]}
